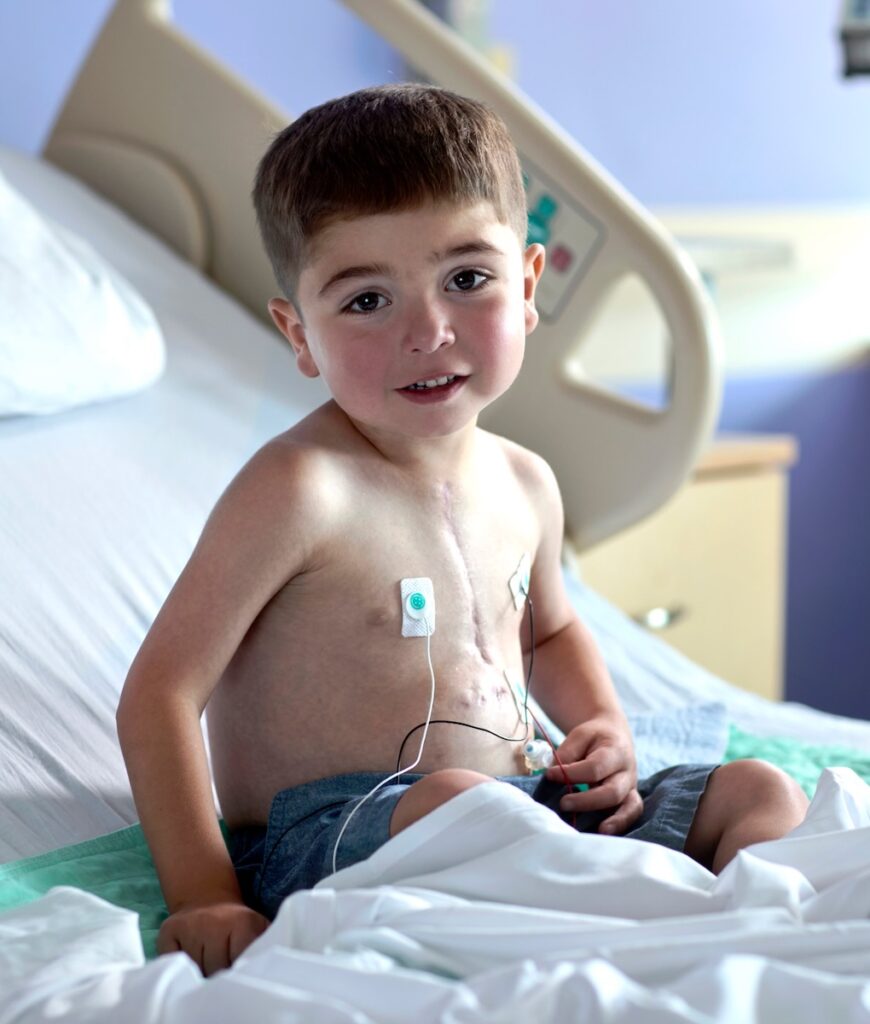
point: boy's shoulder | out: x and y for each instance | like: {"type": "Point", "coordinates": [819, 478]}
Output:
{"type": "Point", "coordinates": [532, 471]}
{"type": "Point", "coordinates": [320, 439]}
{"type": "Point", "coordinates": [297, 466]}
{"type": "Point", "coordinates": [537, 480]}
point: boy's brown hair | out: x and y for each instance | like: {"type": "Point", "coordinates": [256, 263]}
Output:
{"type": "Point", "coordinates": [384, 149]}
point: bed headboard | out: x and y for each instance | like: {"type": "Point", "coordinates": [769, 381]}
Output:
{"type": "Point", "coordinates": [167, 133]}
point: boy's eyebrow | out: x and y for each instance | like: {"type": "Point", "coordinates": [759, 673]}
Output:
{"type": "Point", "coordinates": [474, 248]}
{"type": "Point", "coordinates": [363, 270]}
{"type": "Point", "coordinates": [477, 247]}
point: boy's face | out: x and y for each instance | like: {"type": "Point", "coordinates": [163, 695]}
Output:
{"type": "Point", "coordinates": [394, 300]}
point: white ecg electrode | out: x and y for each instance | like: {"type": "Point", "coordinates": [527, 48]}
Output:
{"type": "Point", "coordinates": [519, 582]}
{"type": "Point", "coordinates": [418, 607]}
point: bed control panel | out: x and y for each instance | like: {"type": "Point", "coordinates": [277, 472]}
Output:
{"type": "Point", "coordinates": [570, 234]}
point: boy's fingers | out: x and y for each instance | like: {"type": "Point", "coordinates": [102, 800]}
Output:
{"type": "Point", "coordinates": [620, 822]}
{"type": "Point", "coordinates": [215, 954]}
{"type": "Point", "coordinates": [574, 746]}
{"type": "Point", "coordinates": [600, 765]}
{"type": "Point", "coordinates": [609, 794]}
{"type": "Point", "coordinates": [213, 935]}
{"type": "Point", "coordinates": [242, 938]}
{"type": "Point", "coordinates": [167, 938]}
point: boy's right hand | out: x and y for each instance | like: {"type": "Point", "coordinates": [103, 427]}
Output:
{"type": "Point", "coordinates": [212, 934]}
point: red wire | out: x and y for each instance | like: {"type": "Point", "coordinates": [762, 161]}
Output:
{"type": "Point", "coordinates": [568, 781]}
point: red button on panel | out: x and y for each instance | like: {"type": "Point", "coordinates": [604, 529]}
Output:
{"type": "Point", "coordinates": [561, 258]}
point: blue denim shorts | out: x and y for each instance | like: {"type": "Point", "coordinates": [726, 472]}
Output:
{"type": "Point", "coordinates": [294, 850]}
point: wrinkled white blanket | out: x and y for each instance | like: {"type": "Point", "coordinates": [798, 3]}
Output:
{"type": "Point", "coordinates": [492, 910]}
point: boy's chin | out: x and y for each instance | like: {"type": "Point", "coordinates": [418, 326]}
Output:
{"type": "Point", "coordinates": [413, 429]}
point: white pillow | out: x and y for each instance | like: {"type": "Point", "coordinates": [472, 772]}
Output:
{"type": "Point", "coordinates": [72, 329]}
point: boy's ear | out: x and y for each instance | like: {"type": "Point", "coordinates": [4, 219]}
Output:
{"type": "Point", "coordinates": [534, 259]}
{"type": "Point", "coordinates": [289, 323]}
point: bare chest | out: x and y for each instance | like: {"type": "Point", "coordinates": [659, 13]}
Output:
{"type": "Point", "coordinates": [470, 556]}
{"type": "Point", "coordinates": [325, 682]}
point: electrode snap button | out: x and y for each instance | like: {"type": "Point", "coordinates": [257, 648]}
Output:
{"type": "Point", "coordinates": [416, 605]}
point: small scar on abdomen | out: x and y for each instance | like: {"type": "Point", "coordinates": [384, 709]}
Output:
{"type": "Point", "coordinates": [489, 655]}
{"type": "Point", "coordinates": [473, 699]}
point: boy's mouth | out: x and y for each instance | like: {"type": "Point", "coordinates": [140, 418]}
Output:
{"type": "Point", "coordinates": [432, 382]}
{"type": "Point", "coordinates": [433, 389]}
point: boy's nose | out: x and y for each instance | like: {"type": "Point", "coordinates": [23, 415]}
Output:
{"type": "Point", "coordinates": [428, 330]}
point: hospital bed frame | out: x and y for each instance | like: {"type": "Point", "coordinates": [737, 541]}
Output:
{"type": "Point", "coordinates": [171, 136]}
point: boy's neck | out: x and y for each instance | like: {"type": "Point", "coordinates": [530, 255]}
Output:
{"type": "Point", "coordinates": [428, 459]}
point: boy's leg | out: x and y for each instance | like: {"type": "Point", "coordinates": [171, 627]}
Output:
{"type": "Point", "coordinates": [430, 792]}
{"type": "Point", "coordinates": [745, 802]}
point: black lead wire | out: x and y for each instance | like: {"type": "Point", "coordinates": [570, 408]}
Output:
{"type": "Point", "coordinates": [450, 721]}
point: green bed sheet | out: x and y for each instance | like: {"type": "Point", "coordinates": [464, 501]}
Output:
{"type": "Point", "coordinates": [118, 867]}
{"type": "Point", "coordinates": [803, 761]}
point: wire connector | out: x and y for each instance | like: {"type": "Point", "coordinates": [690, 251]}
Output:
{"type": "Point", "coordinates": [538, 755]}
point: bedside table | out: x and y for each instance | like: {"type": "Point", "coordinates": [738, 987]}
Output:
{"type": "Point", "coordinates": [706, 572]}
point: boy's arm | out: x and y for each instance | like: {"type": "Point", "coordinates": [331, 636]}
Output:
{"type": "Point", "coordinates": [571, 682]}
{"type": "Point", "coordinates": [244, 556]}
{"type": "Point", "coordinates": [168, 772]}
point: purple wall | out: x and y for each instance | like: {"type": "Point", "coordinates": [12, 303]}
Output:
{"type": "Point", "coordinates": [827, 644]}
{"type": "Point", "coordinates": [696, 102]}
{"type": "Point", "coordinates": [297, 54]}
{"type": "Point", "coordinates": [828, 630]}
{"type": "Point", "coordinates": [42, 44]}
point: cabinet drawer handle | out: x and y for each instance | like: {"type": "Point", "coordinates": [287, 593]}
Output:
{"type": "Point", "coordinates": [661, 618]}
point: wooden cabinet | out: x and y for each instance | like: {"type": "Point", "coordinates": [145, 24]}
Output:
{"type": "Point", "coordinates": [707, 571]}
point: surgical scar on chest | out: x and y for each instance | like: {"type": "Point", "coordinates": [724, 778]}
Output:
{"type": "Point", "coordinates": [469, 578]}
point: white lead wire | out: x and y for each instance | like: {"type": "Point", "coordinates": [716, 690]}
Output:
{"type": "Point", "coordinates": [401, 771]}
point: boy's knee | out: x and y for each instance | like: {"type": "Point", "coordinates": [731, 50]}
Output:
{"type": "Point", "coordinates": [757, 781]}
{"type": "Point", "coordinates": [745, 802]}
{"type": "Point", "coordinates": [430, 792]}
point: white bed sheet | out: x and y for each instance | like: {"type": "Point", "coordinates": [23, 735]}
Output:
{"type": "Point", "coordinates": [101, 506]}
{"type": "Point", "coordinates": [99, 509]}
{"type": "Point", "coordinates": [492, 909]}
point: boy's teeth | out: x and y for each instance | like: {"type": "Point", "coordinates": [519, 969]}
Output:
{"type": "Point", "coordinates": [433, 383]}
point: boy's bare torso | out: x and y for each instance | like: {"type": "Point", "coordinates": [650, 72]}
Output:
{"type": "Point", "coordinates": [324, 683]}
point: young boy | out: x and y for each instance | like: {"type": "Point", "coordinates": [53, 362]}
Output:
{"type": "Point", "coordinates": [395, 221]}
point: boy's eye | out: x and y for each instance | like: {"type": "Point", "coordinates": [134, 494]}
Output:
{"type": "Point", "coordinates": [466, 281]}
{"type": "Point", "coordinates": [368, 302]}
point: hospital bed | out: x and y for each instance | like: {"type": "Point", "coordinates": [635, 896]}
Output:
{"type": "Point", "coordinates": [111, 457]}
